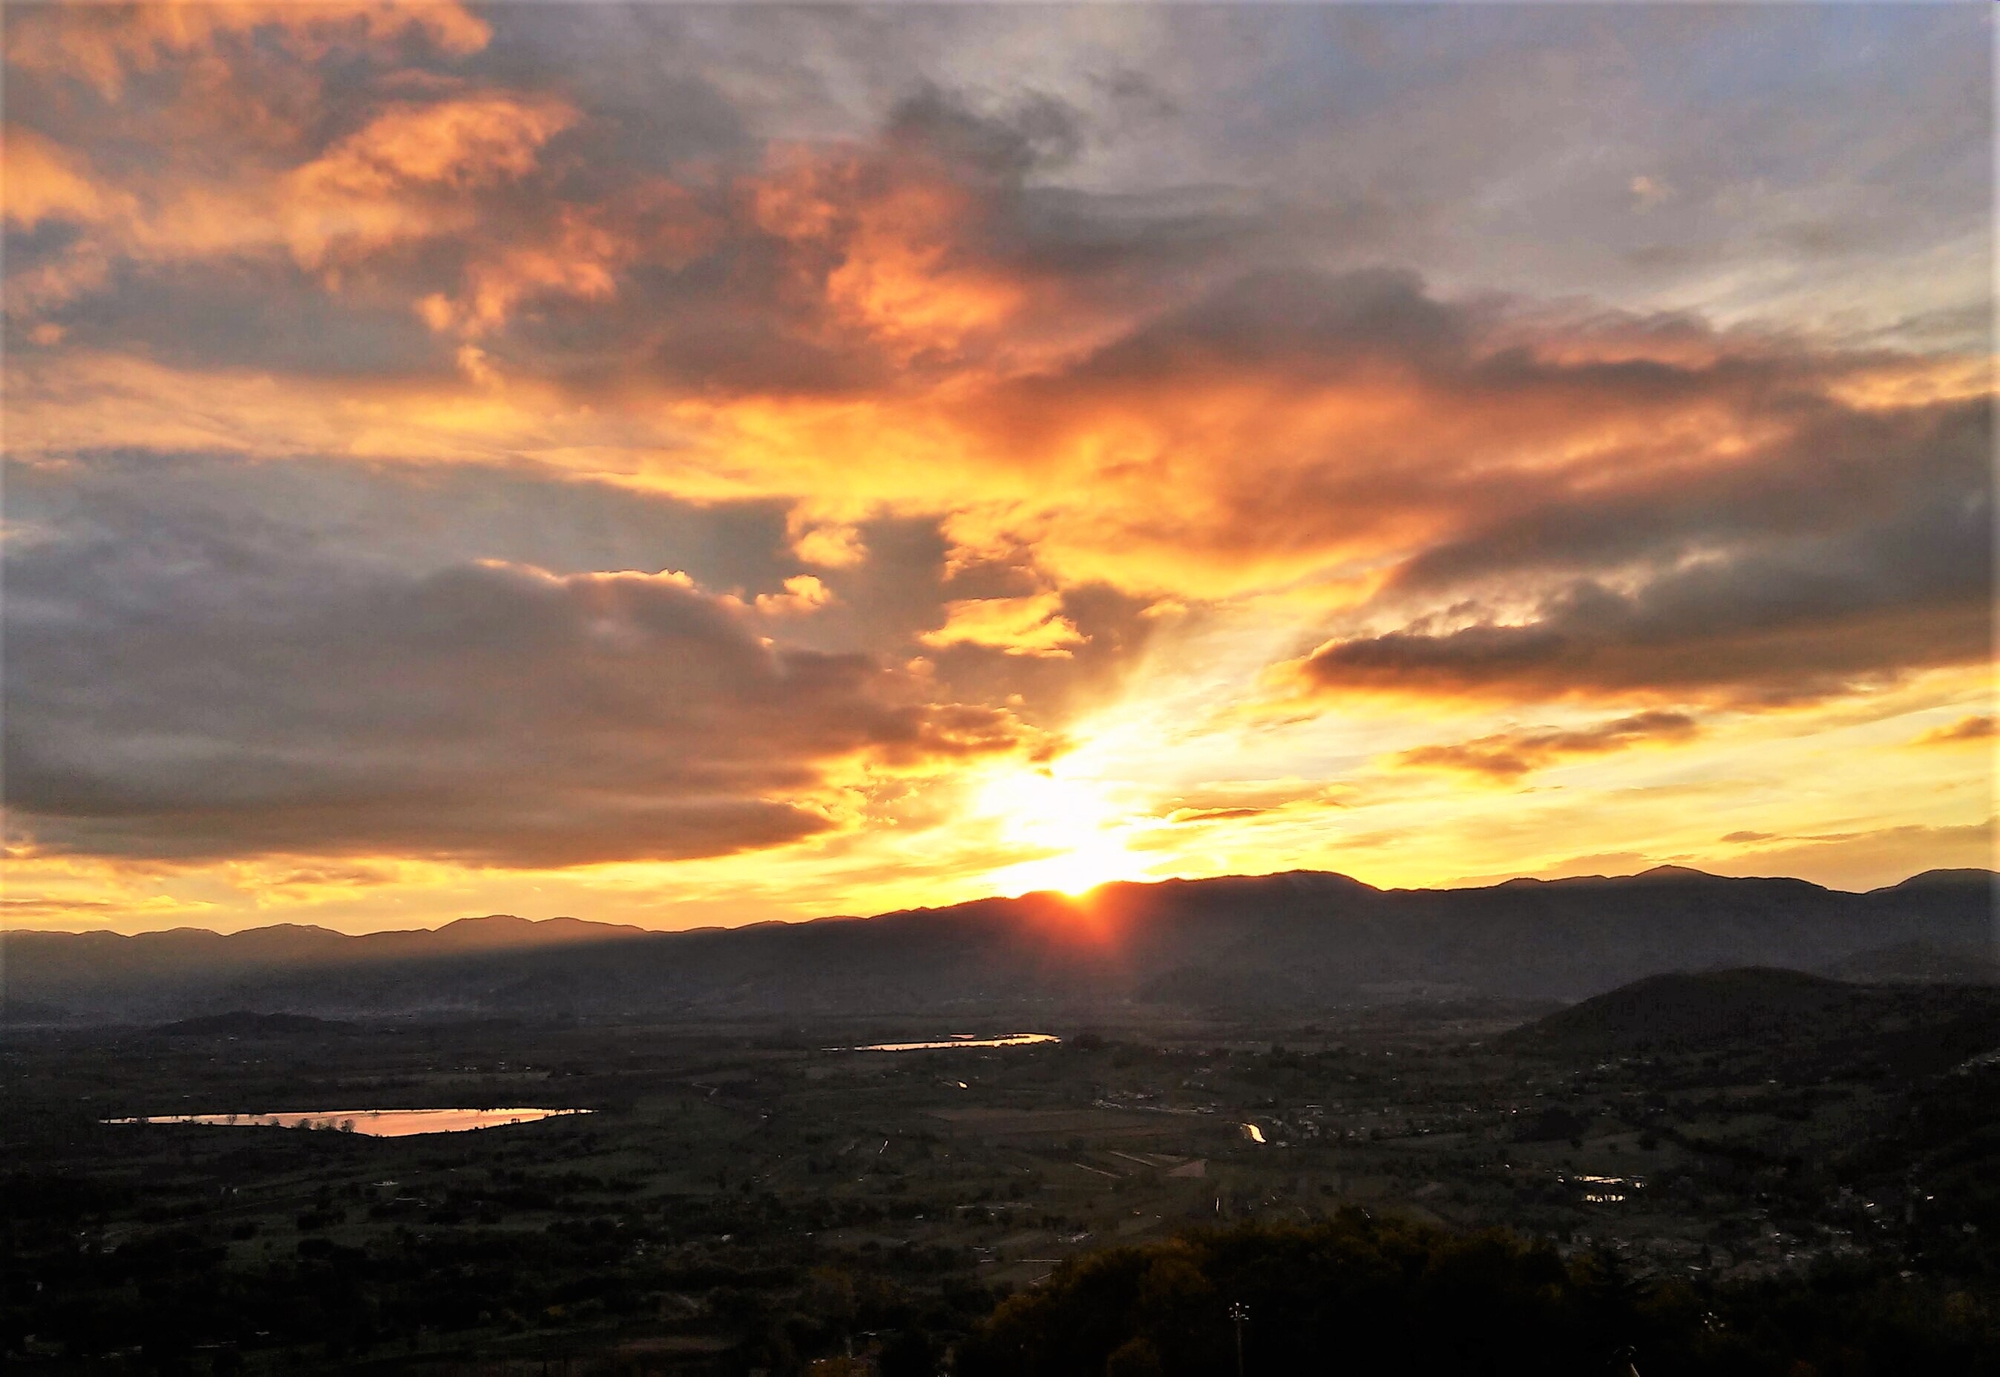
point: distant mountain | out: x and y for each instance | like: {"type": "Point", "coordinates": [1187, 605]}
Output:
{"type": "Point", "coordinates": [153, 973]}
{"type": "Point", "coordinates": [26, 1013]}
{"type": "Point", "coordinates": [242, 1023]}
{"type": "Point", "coordinates": [1921, 963]}
{"type": "Point", "coordinates": [1287, 941]}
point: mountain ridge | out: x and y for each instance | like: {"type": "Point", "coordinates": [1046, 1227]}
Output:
{"type": "Point", "coordinates": [1293, 938]}
{"type": "Point", "coordinates": [1665, 871]}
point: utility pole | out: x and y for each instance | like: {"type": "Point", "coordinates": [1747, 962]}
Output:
{"type": "Point", "coordinates": [1239, 1314]}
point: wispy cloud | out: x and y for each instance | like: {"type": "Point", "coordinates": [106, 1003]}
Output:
{"type": "Point", "coordinates": [1509, 755]}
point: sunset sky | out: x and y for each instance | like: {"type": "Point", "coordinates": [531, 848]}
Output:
{"type": "Point", "coordinates": [683, 466]}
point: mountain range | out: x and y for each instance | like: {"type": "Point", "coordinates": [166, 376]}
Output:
{"type": "Point", "coordinates": [1299, 940]}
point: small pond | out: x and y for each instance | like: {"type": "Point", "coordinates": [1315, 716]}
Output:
{"type": "Point", "coordinates": [376, 1123]}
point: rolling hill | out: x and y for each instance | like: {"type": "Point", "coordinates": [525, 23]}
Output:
{"type": "Point", "coordinates": [1903, 1029]}
{"type": "Point", "coordinates": [1681, 1010]}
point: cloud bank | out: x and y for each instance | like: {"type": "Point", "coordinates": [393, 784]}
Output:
{"type": "Point", "coordinates": [537, 438]}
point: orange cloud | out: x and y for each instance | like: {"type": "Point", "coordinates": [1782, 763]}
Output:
{"type": "Point", "coordinates": [405, 173]}
{"type": "Point", "coordinates": [465, 142]}
{"type": "Point", "coordinates": [1978, 727]}
{"type": "Point", "coordinates": [44, 181]}
{"type": "Point", "coordinates": [586, 248]}
{"type": "Point", "coordinates": [1033, 625]}
{"type": "Point", "coordinates": [413, 172]}
{"type": "Point", "coordinates": [1509, 755]}
{"type": "Point", "coordinates": [1878, 856]}
{"type": "Point", "coordinates": [803, 594]}
{"type": "Point", "coordinates": [105, 44]}
{"type": "Point", "coordinates": [881, 241]}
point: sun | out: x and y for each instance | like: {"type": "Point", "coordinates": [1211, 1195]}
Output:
{"type": "Point", "coordinates": [1069, 817]}
{"type": "Point", "coordinates": [1076, 871]}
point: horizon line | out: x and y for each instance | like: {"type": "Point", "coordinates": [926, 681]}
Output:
{"type": "Point", "coordinates": [7, 930]}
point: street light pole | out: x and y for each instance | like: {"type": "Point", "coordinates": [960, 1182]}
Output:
{"type": "Point", "coordinates": [1239, 1313]}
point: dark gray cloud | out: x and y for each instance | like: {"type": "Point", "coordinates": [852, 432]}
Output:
{"type": "Point", "coordinates": [1287, 323]}
{"type": "Point", "coordinates": [1804, 592]}
{"type": "Point", "coordinates": [420, 518]}
{"type": "Point", "coordinates": [222, 313]}
{"type": "Point", "coordinates": [189, 688]}
{"type": "Point", "coordinates": [749, 310]}
{"type": "Point", "coordinates": [1840, 471]}
{"type": "Point", "coordinates": [1502, 152]}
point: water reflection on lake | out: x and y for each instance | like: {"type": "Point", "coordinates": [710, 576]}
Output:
{"type": "Point", "coordinates": [958, 1040]}
{"type": "Point", "coordinates": [376, 1123]}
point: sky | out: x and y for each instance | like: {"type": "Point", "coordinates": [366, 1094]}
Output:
{"type": "Point", "coordinates": [701, 465]}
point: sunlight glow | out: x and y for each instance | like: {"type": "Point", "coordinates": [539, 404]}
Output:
{"type": "Point", "coordinates": [1071, 818]}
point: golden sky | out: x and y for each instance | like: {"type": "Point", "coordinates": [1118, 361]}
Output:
{"type": "Point", "coordinates": [698, 465]}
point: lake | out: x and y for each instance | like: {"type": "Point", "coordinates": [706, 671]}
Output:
{"type": "Point", "coordinates": [375, 1123]}
{"type": "Point", "coordinates": [957, 1040]}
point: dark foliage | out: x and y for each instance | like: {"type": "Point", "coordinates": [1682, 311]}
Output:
{"type": "Point", "coordinates": [1362, 1295]}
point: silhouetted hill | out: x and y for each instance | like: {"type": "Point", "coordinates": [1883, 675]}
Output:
{"type": "Point", "coordinates": [1928, 879]}
{"type": "Point", "coordinates": [1680, 1010]}
{"type": "Point", "coordinates": [1241, 943]}
{"type": "Point", "coordinates": [1820, 1026]}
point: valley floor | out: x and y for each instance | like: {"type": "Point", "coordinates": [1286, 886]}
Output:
{"type": "Point", "coordinates": [747, 1198]}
